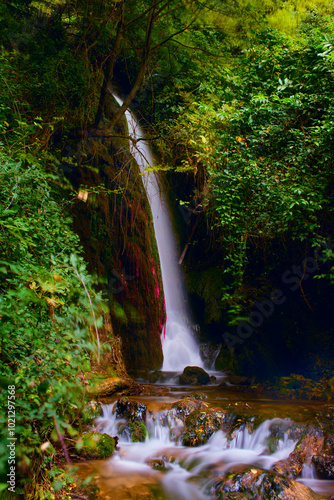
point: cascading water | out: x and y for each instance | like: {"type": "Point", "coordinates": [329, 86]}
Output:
{"type": "Point", "coordinates": [180, 348]}
{"type": "Point", "coordinates": [183, 464]}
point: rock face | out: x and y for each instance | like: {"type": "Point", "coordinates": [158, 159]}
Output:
{"type": "Point", "coordinates": [193, 375]}
{"type": "Point", "coordinates": [254, 484]}
{"type": "Point", "coordinates": [117, 235]}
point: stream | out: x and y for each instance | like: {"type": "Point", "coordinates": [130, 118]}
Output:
{"type": "Point", "coordinates": [243, 428]}
{"type": "Point", "coordinates": [163, 468]}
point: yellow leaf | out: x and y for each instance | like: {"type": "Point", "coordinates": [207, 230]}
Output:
{"type": "Point", "coordinates": [203, 139]}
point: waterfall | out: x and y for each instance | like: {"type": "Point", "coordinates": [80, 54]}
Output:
{"type": "Point", "coordinates": [180, 348]}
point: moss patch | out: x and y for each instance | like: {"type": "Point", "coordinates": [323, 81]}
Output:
{"type": "Point", "coordinates": [138, 431]}
{"type": "Point", "coordinates": [95, 445]}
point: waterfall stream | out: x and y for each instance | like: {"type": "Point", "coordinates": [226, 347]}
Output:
{"type": "Point", "coordinates": [185, 473]}
{"type": "Point", "coordinates": [188, 473]}
{"type": "Point", "coordinates": [180, 348]}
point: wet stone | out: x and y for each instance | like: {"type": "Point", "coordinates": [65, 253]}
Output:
{"type": "Point", "coordinates": [95, 445]}
{"type": "Point", "coordinates": [186, 406]}
{"type": "Point", "coordinates": [324, 465]}
{"type": "Point", "coordinates": [200, 425]}
{"type": "Point", "coordinates": [157, 464]}
{"type": "Point", "coordinates": [194, 375]}
{"type": "Point", "coordinates": [252, 483]}
{"type": "Point", "coordinates": [311, 444]}
{"type": "Point", "coordinates": [131, 410]}
{"type": "Point", "coordinates": [294, 431]}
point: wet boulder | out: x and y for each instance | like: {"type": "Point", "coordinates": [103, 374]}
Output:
{"type": "Point", "coordinates": [324, 461]}
{"type": "Point", "coordinates": [94, 445]}
{"type": "Point", "coordinates": [131, 410]}
{"type": "Point", "coordinates": [135, 415]}
{"type": "Point", "coordinates": [310, 444]}
{"type": "Point", "coordinates": [252, 484]}
{"type": "Point", "coordinates": [186, 406]}
{"type": "Point", "coordinates": [194, 375]}
{"type": "Point", "coordinates": [292, 430]}
{"type": "Point", "coordinates": [200, 421]}
{"type": "Point", "coordinates": [200, 425]}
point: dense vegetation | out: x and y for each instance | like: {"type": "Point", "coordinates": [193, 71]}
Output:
{"type": "Point", "coordinates": [242, 97]}
{"type": "Point", "coordinates": [255, 137]}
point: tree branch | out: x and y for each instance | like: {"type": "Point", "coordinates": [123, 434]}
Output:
{"type": "Point", "coordinates": [140, 75]}
{"type": "Point", "coordinates": [110, 68]}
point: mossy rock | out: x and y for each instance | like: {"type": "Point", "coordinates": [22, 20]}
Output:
{"type": "Point", "coordinates": [138, 431]}
{"type": "Point", "coordinates": [94, 445]}
{"type": "Point", "coordinates": [200, 425]}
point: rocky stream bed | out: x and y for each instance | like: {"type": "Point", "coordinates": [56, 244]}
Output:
{"type": "Point", "coordinates": [221, 440]}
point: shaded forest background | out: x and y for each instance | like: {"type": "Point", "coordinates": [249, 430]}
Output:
{"type": "Point", "coordinates": [237, 101]}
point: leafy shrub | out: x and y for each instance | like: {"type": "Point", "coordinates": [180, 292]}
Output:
{"type": "Point", "coordinates": [48, 310]}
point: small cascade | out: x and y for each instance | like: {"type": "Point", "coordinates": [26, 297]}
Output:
{"type": "Point", "coordinates": [180, 348]}
{"type": "Point", "coordinates": [182, 464]}
{"type": "Point", "coordinates": [308, 472]}
{"type": "Point", "coordinates": [110, 424]}
{"type": "Point", "coordinates": [255, 441]}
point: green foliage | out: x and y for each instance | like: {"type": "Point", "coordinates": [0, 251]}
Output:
{"type": "Point", "coordinates": [259, 135]}
{"type": "Point", "coordinates": [47, 330]}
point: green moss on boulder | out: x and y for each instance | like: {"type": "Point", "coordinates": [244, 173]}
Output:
{"type": "Point", "coordinates": [138, 431]}
{"type": "Point", "coordinates": [94, 445]}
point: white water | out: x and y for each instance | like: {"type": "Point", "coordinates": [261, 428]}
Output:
{"type": "Point", "coordinates": [215, 458]}
{"type": "Point", "coordinates": [180, 348]}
